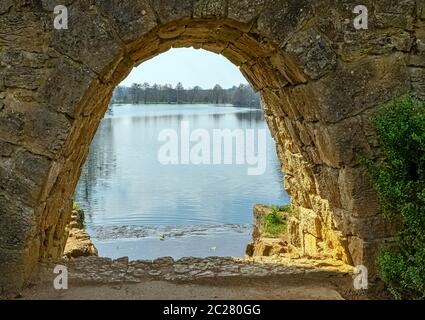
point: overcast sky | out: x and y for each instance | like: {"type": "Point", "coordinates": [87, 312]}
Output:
{"type": "Point", "coordinates": [189, 66]}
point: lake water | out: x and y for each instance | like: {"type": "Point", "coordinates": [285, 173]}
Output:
{"type": "Point", "coordinates": [137, 207]}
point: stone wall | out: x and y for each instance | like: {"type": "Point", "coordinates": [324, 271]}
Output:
{"type": "Point", "coordinates": [78, 243]}
{"type": "Point", "coordinates": [264, 244]}
{"type": "Point", "coordinates": [320, 80]}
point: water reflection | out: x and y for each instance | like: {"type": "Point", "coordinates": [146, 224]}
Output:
{"type": "Point", "coordinates": [123, 184]}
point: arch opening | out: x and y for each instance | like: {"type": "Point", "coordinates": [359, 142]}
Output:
{"type": "Point", "coordinates": [139, 205]}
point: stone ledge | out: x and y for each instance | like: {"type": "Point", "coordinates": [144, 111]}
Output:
{"type": "Point", "coordinates": [79, 243]}
{"type": "Point", "coordinates": [108, 271]}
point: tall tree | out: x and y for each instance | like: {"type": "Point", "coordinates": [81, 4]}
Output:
{"type": "Point", "coordinates": [179, 92]}
{"type": "Point", "coordinates": [217, 93]}
{"type": "Point", "coordinates": [145, 88]}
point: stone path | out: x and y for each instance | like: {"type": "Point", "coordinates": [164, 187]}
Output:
{"type": "Point", "coordinates": [105, 270]}
{"type": "Point", "coordinates": [277, 277]}
{"type": "Point", "coordinates": [163, 290]}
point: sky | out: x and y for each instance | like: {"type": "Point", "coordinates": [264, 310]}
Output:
{"type": "Point", "coordinates": [190, 67]}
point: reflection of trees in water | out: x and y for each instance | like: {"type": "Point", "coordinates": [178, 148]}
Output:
{"type": "Point", "coordinates": [174, 119]}
{"type": "Point", "coordinates": [250, 117]}
{"type": "Point", "coordinates": [216, 119]}
{"type": "Point", "coordinates": [161, 119]}
{"type": "Point", "coordinates": [99, 166]}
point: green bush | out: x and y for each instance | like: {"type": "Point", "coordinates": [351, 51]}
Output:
{"type": "Point", "coordinates": [76, 206]}
{"type": "Point", "coordinates": [274, 223]}
{"type": "Point", "coordinates": [399, 180]}
{"type": "Point", "coordinates": [285, 208]}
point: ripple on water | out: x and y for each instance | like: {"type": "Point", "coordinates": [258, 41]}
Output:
{"type": "Point", "coordinates": [101, 233]}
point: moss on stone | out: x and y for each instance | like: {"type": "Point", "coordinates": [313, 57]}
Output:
{"type": "Point", "coordinates": [274, 223]}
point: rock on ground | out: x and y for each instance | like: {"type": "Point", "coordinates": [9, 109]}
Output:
{"type": "Point", "coordinates": [79, 243]}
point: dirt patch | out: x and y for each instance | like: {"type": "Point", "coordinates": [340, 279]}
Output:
{"type": "Point", "coordinates": [273, 288]}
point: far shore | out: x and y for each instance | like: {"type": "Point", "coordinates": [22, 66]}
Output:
{"type": "Point", "coordinates": [174, 103]}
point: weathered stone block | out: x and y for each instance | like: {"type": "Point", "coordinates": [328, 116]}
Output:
{"type": "Point", "coordinates": [23, 29]}
{"type": "Point", "coordinates": [420, 9]}
{"type": "Point", "coordinates": [226, 34]}
{"type": "Point", "coordinates": [418, 80]}
{"type": "Point", "coordinates": [132, 18]}
{"type": "Point", "coordinates": [266, 247]}
{"type": "Point", "coordinates": [12, 264]}
{"type": "Point", "coordinates": [312, 52]}
{"type": "Point", "coordinates": [357, 195]}
{"type": "Point", "coordinates": [253, 47]}
{"type": "Point", "coordinates": [299, 102]}
{"type": "Point", "coordinates": [360, 86]}
{"type": "Point", "coordinates": [341, 143]}
{"type": "Point", "coordinates": [280, 20]}
{"type": "Point", "coordinates": [245, 11]}
{"type": "Point", "coordinates": [294, 232]}
{"type": "Point", "coordinates": [172, 10]}
{"type": "Point", "coordinates": [274, 104]}
{"type": "Point", "coordinates": [327, 186]}
{"type": "Point", "coordinates": [310, 222]}
{"type": "Point", "coordinates": [6, 5]}
{"type": "Point", "coordinates": [281, 103]}
{"type": "Point", "coordinates": [235, 55]}
{"type": "Point", "coordinates": [210, 9]}
{"type": "Point", "coordinates": [6, 149]}
{"type": "Point", "coordinates": [65, 98]}
{"type": "Point", "coordinates": [310, 247]}
{"type": "Point", "coordinates": [370, 228]}
{"type": "Point", "coordinates": [395, 14]}
{"type": "Point", "coordinates": [17, 229]}
{"type": "Point", "coordinates": [360, 44]}
{"type": "Point", "coordinates": [18, 187]}
{"type": "Point", "coordinates": [90, 39]}
{"type": "Point", "coordinates": [365, 253]}
{"type": "Point", "coordinates": [22, 77]}
{"type": "Point", "coordinates": [34, 167]}
{"type": "Point", "coordinates": [172, 31]}
{"type": "Point", "coordinates": [47, 130]}
{"type": "Point", "coordinates": [11, 125]}
{"type": "Point", "coordinates": [216, 46]}
{"type": "Point", "coordinates": [417, 60]}
{"type": "Point", "coordinates": [288, 67]}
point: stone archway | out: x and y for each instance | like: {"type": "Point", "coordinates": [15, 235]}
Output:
{"type": "Point", "coordinates": [320, 79]}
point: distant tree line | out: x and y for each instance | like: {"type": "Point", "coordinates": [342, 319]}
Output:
{"type": "Point", "coordinates": [242, 95]}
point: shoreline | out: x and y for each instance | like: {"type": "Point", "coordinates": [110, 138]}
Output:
{"type": "Point", "coordinates": [187, 103]}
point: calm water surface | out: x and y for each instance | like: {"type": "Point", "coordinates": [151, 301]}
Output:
{"type": "Point", "coordinates": [137, 207]}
